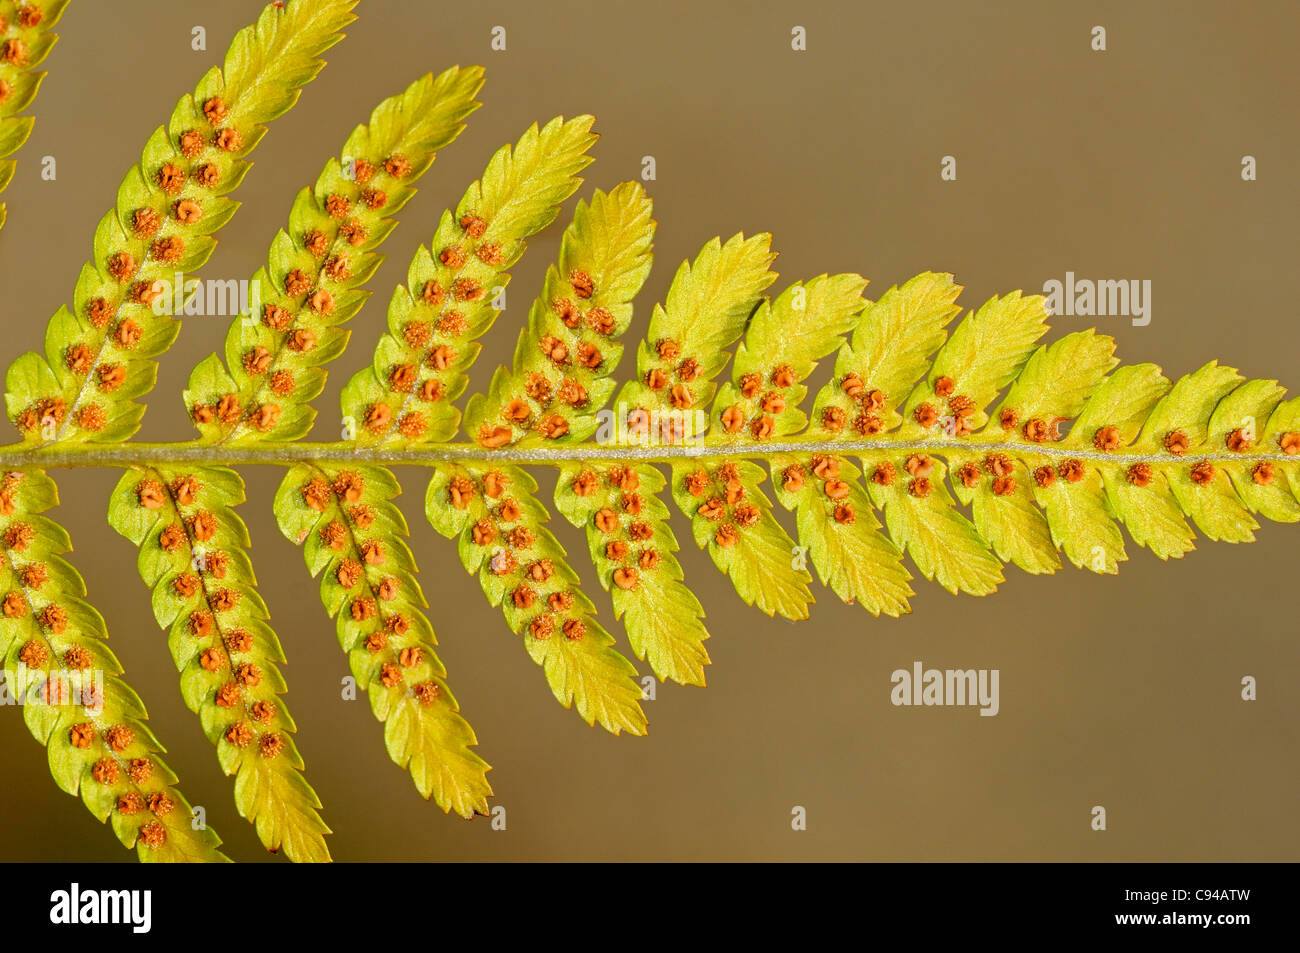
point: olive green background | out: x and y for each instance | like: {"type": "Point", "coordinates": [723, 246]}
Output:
{"type": "Point", "coordinates": [1120, 691]}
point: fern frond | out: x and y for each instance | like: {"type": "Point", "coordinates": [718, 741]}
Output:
{"type": "Point", "coordinates": [314, 280]}
{"type": "Point", "coordinates": [562, 372]}
{"type": "Point", "coordinates": [1187, 409]}
{"type": "Point", "coordinates": [1076, 448]}
{"type": "Point", "coordinates": [632, 547]}
{"type": "Point", "coordinates": [959, 452]}
{"type": "Point", "coordinates": [502, 536]}
{"type": "Point", "coordinates": [708, 303]}
{"type": "Point", "coordinates": [57, 665]}
{"type": "Point", "coordinates": [433, 324]}
{"type": "Point", "coordinates": [318, 280]}
{"type": "Point", "coordinates": [192, 556]}
{"type": "Point", "coordinates": [98, 355]}
{"type": "Point", "coordinates": [353, 538]}
{"type": "Point", "coordinates": [783, 342]}
{"type": "Point", "coordinates": [985, 353]}
{"type": "Point", "coordinates": [891, 346]}
{"type": "Point", "coordinates": [451, 299]}
{"type": "Point", "coordinates": [685, 348]}
{"type": "Point", "coordinates": [25, 41]}
{"type": "Point", "coordinates": [634, 551]}
{"type": "Point", "coordinates": [851, 555]}
{"type": "Point", "coordinates": [565, 357]}
{"type": "Point", "coordinates": [561, 377]}
{"type": "Point", "coordinates": [730, 514]}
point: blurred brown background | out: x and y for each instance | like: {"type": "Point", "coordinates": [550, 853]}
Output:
{"type": "Point", "coordinates": [1120, 691]}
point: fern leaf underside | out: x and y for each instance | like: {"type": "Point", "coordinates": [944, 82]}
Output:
{"type": "Point", "coordinates": [343, 517]}
{"type": "Point", "coordinates": [276, 360]}
{"type": "Point", "coordinates": [906, 452]}
{"type": "Point", "coordinates": [98, 358]}
{"type": "Point", "coordinates": [948, 454]}
{"type": "Point", "coordinates": [24, 45]}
